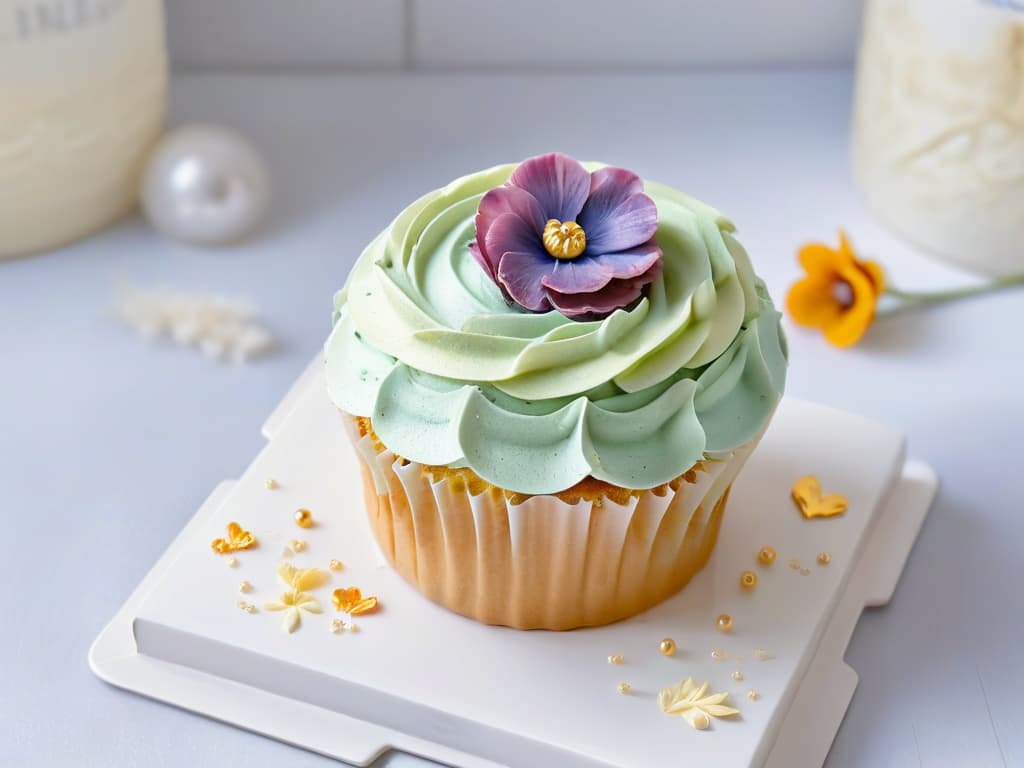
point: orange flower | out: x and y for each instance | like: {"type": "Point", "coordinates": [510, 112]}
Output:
{"type": "Point", "coordinates": [839, 294]}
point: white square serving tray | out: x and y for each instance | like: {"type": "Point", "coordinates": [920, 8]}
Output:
{"type": "Point", "coordinates": [419, 679]}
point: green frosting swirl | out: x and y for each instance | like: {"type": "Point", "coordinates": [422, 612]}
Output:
{"type": "Point", "coordinates": [425, 345]}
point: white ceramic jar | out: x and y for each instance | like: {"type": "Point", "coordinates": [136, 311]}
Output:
{"type": "Point", "coordinates": [82, 100]}
{"type": "Point", "coordinates": [938, 140]}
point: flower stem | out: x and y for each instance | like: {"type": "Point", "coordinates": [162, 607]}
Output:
{"type": "Point", "coordinates": [936, 297]}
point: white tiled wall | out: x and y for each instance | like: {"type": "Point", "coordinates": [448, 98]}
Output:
{"type": "Point", "coordinates": [287, 33]}
{"type": "Point", "coordinates": [511, 34]}
{"type": "Point", "coordinates": [610, 33]}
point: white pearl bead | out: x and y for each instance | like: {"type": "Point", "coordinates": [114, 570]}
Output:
{"type": "Point", "coordinates": [205, 185]}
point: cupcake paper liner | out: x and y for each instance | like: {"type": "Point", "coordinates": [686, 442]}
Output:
{"type": "Point", "coordinates": [543, 563]}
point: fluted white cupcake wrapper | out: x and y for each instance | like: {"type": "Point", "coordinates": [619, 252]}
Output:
{"type": "Point", "coordinates": [544, 562]}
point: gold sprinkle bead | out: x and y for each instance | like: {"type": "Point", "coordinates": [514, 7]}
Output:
{"type": "Point", "coordinates": [762, 655]}
{"type": "Point", "coordinates": [766, 555]}
{"type": "Point", "coordinates": [748, 580]}
{"type": "Point", "coordinates": [724, 623]}
{"type": "Point", "coordinates": [616, 658]}
{"type": "Point", "coordinates": [564, 240]}
{"type": "Point", "coordinates": [667, 647]}
{"type": "Point", "coordinates": [719, 655]}
{"type": "Point", "coordinates": [737, 675]}
{"type": "Point", "coordinates": [353, 627]}
{"type": "Point", "coordinates": [271, 484]}
{"type": "Point", "coordinates": [297, 545]}
{"type": "Point", "coordinates": [625, 688]}
{"type": "Point", "coordinates": [232, 562]}
{"type": "Point", "coordinates": [250, 608]}
{"type": "Point", "coordinates": [753, 695]}
{"type": "Point", "coordinates": [303, 518]}
{"type": "Point", "coordinates": [336, 565]}
{"type": "Point", "coordinates": [245, 586]}
{"type": "Point", "coordinates": [805, 571]}
{"type": "Point", "coordinates": [337, 625]}
{"type": "Point", "coordinates": [824, 558]}
{"type": "Point", "coordinates": [242, 604]}
{"type": "Point", "coordinates": [794, 564]}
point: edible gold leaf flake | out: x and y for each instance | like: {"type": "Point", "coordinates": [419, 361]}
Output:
{"type": "Point", "coordinates": [293, 604]}
{"type": "Point", "coordinates": [694, 704]}
{"type": "Point", "coordinates": [302, 579]}
{"type": "Point", "coordinates": [811, 502]}
{"type": "Point", "coordinates": [238, 539]}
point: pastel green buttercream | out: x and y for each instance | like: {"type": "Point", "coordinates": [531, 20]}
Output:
{"type": "Point", "coordinates": [426, 346]}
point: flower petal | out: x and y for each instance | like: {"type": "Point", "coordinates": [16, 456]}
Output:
{"type": "Point", "coordinates": [310, 578]}
{"type": "Point", "coordinates": [821, 259]}
{"type": "Point", "coordinates": [687, 687]}
{"type": "Point", "coordinates": [583, 275]}
{"type": "Point", "coordinates": [559, 183]}
{"type": "Point", "coordinates": [614, 184]}
{"type": "Point", "coordinates": [292, 619]}
{"type": "Point", "coordinates": [616, 294]}
{"type": "Point", "coordinates": [521, 272]}
{"type": "Point", "coordinates": [631, 263]}
{"type": "Point", "coordinates": [666, 698]}
{"type": "Point", "coordinates": [508, 233]}
{"type": "Point", "coordinates": [617, 215]}
{"type": "Point", "coordinates": [849, 326]}
{"type": "Point", "coordinates": [874, 273]}
{"type": "Point", "coordinates": [591, 273]}
{"type": "Point", "coordinates": [719, 710]}
{"type": "Point", "coordinates": [811, 302]}
{"type": "Point", "coordinates": [714, 698]}
{"type": "Point", "coordinates": [499, 201]}
{"type": "Point", "coordinates": [481, 259]}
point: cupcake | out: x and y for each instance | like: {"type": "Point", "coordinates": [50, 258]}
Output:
{"type": "Point", "coordinates": [551, 374]}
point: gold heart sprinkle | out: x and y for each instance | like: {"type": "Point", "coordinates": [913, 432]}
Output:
{"type": "Point", "coordinates": [350, 600]}
{"type": "Point", "coordinates": [811, 502]}
{"type": "Point", "coordinates": [237, 539]}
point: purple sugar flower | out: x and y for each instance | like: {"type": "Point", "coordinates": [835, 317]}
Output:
{"type": "Point", "coordinates": [557, 236]}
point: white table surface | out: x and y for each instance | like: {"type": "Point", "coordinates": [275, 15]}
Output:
{"type": "Point", "coordinates": [108, 445]}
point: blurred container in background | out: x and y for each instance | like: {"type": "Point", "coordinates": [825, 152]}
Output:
{"type": "Point", "coordinates": [938, 138]}
{"type": "Point", "coordinates": [82, 99]}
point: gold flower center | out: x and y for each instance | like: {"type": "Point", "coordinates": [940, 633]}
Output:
{"type": "Point", "coordinates": [564, 240]}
